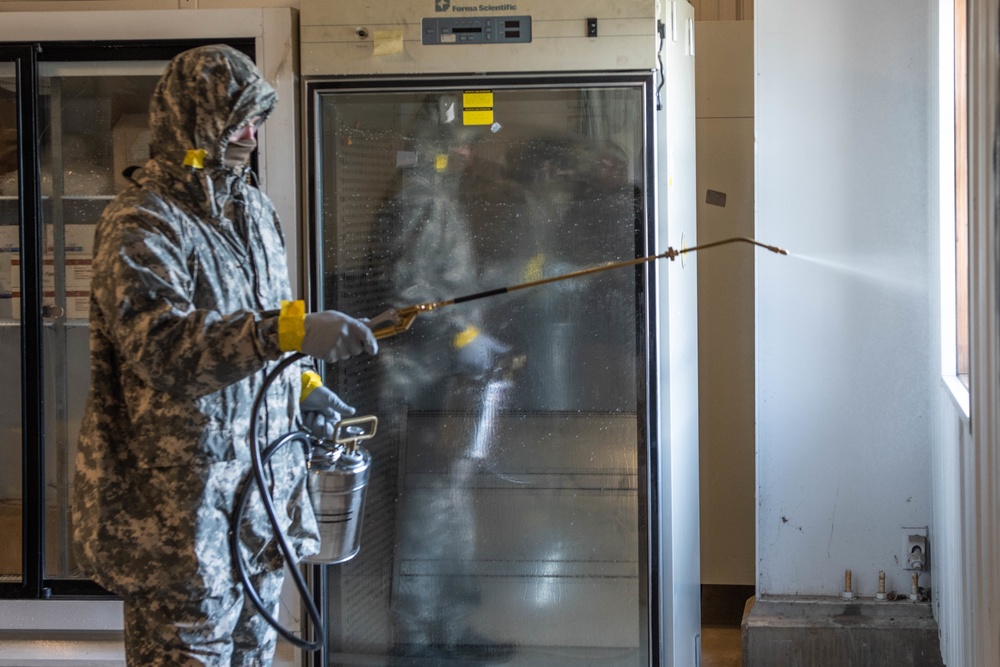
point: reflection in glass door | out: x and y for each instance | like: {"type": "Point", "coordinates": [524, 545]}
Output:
{"type": "Point", "coordinates": [503, 518]}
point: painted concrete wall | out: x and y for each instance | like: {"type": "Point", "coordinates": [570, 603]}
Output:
{"type": "Point", "coordinates": [844, 424]}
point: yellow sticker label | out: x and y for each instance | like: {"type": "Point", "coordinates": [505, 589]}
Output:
{"type": "Point", "coordinates": [440, 162]}
{"type": "Point", "coordinates": [387, 42]}
{"type": "Point", "coordinates": [477, 99]}
{"type": "Point", "coordinates": [477, 117]}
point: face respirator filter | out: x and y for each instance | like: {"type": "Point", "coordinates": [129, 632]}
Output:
{"type": "Point", "coordinates": [238, 152]}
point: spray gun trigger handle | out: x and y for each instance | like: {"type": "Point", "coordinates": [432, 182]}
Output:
{"type": "Point", "coordinates": [393, 321]}
{"type": "Point", "coordinates": [354, 429]}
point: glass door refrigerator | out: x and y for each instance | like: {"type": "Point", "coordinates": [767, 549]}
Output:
{"type": "Point", "coordinates": [89, 116]}
{"type": "Point", "coordinates": [74, 105]}
{"type": "Point", "coordinates": [533, 499]}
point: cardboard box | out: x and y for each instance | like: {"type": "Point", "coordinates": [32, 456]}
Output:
{"type": "Point", "coordinates": [130, 136]}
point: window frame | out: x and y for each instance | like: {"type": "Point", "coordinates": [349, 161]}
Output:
{"type": "Point", "coordinates": [954, 201]}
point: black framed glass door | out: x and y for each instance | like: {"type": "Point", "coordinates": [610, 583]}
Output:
{"type": "Point", "coordinates": [20, 566]}
{"type": "Point", "coordinates": [73, 115]}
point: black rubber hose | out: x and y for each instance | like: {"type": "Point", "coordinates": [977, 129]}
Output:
{"type": "Point", "coordinates": [257, 468]}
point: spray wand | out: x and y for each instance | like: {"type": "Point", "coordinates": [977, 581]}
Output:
{"type": "Point", "coordinates": [397, 320]}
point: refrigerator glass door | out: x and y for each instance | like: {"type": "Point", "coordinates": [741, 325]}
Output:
{"type": "Point", "coordinates": [94, 123]}
{"type": "Point", "coordinates": [11, 489]}
{"type": "Point", "coordinates": [503, 516]}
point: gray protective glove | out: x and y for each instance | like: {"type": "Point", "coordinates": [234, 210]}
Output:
{"type": "Point", "coordinates": [321, 410]}
{"type": "Point", "coordinates": [332, 336]}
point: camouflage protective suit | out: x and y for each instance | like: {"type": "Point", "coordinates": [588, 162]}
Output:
{"type": "Point", "coordinates": [187, 263]}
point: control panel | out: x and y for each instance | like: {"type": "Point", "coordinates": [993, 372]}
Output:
{"type": "Point", "coordinates": [477, 30]}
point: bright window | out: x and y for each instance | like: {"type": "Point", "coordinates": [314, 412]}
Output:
{"type": "Point", "coordinates": [953, 164]}
{"type": "Point", "coordinates": [961, 194]}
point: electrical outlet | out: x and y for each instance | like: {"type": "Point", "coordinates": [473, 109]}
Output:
{"type": "Point", "coordinates": [915, 548]}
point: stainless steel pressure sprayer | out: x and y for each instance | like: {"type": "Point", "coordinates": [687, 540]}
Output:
{"type": "Point", "coordinates": [338, 475]}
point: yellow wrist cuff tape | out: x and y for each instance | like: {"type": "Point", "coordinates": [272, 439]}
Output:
{"type": "Point", "coordinates": [465, 337]}
{"type": "Point", "coordinates": [291, 325]}
{"type": "Point", "coordinates": [195, 157]}
{"type": "Point", "coordinates": [310, 381]}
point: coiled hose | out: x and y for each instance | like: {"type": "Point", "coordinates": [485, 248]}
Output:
{"type": "Point", "coordinates": [258, 459]}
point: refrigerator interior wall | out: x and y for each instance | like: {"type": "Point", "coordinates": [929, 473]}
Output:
{"type": "Point", "coordinates": [504, 506]}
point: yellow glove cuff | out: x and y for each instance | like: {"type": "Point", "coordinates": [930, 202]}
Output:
{"type": "Point", "coordinates": [310, 380]}
{"type": "Point", "coordinates": [291, 325]}
{"type": "Point", "coordinates": [463, 338]}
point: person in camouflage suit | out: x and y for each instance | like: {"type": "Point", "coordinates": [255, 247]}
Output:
{"type": "Point", "coordinates": [190, 309]}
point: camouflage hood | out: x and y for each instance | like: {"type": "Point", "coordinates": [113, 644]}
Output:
{"type": "Point", "coordinates": [203, 96]}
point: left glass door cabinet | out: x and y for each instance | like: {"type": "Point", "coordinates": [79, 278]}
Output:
{"type": "Point", "coordinates": [72, 118]}
{"type": "Point", "coordinates": [19, 208]}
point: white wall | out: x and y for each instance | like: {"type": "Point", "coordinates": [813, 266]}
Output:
{"type": "Point", "coordinates": [844, 410]}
